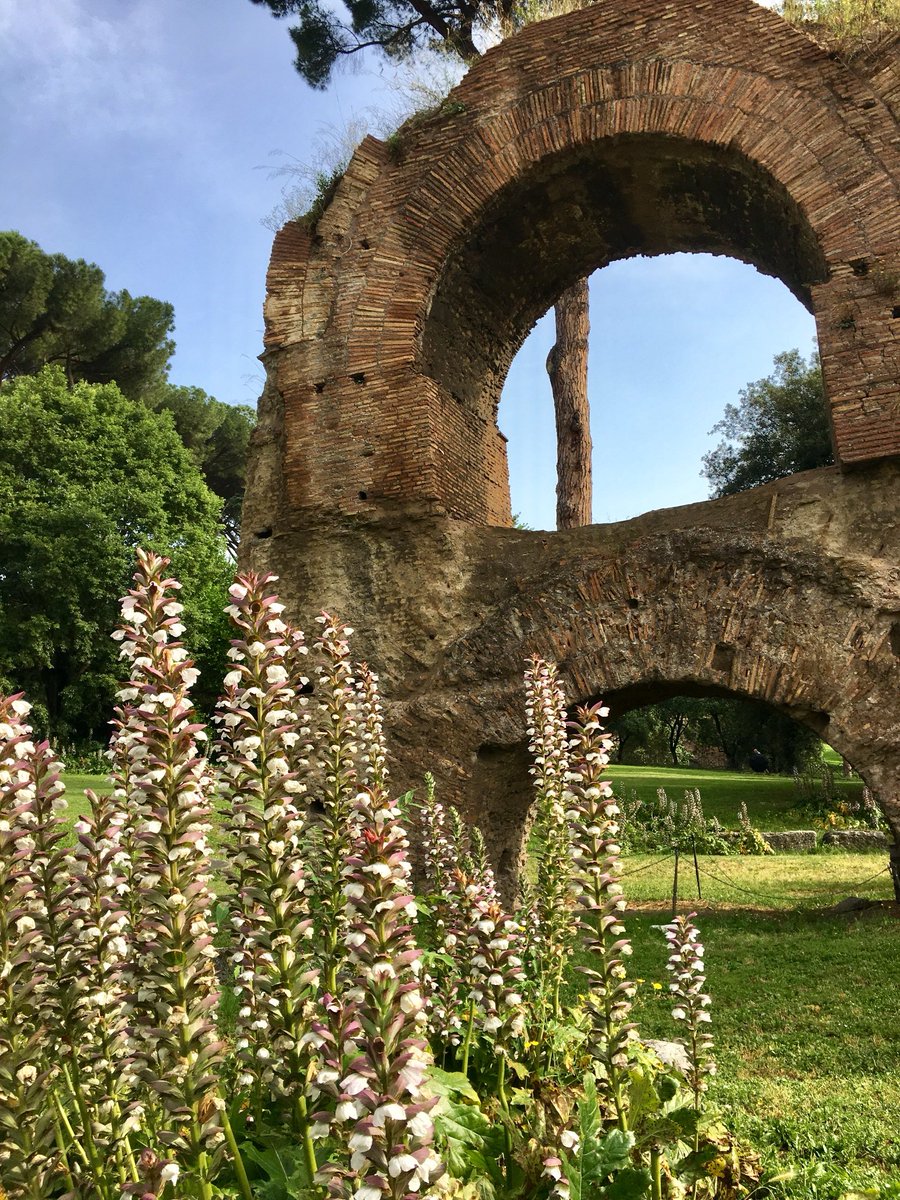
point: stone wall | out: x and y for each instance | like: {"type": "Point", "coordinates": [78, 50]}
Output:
{"type": "Point", "coordinates": [788, 594]}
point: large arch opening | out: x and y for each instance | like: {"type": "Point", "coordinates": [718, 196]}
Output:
{"type": "Point", "coordinates": [576, 211]}
{"type": "Point", "coordinates": [673, 339]}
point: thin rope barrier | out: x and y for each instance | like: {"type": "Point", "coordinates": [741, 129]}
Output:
{"type": "Point", "coordinates": [790, 896]}
{"type": "Point", "coordinates": [795, 897]}
{"type": "Point", "coordinates": [647, 866]}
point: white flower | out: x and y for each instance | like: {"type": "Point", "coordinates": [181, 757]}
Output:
{"type": "Point", "coordinates": [169, 1173]}
{"type": "Point", "coordinates": [401, 1163]}
{"type": "Point", "coordinates": [367, 1192]}
{"type": "Point", "coordinates": [421, 1125]}
{"type": "Point", "coordinates": [353, 1084]}
{"type": "Point", "coordinates": [388, 1112]}
{"type": "Point", "coordinates": [27, 1074]}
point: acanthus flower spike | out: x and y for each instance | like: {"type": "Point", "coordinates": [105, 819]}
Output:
{"type": "Point", "coordinates": [552, 930]}
{"type": "Point", "coordinates": [264, 741]}
{"type": "Point", "coordinates": [596, 868]}
{"type": "Point", "coordinates": [390, 1145]}
{"type": "Point", "coordinates": [692, 1002]}
{"type": "Point", "coordinates": [174, 986]}
{"type": "Point", "coordinates": [28, 1155]}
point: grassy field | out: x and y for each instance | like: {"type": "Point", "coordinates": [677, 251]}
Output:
{"type": "Point", "coordinates": [807, 1026]}
{"type": "Point", "coordinates": [75, 789]}
{"type": "Point", "coordinates": [771, 799]}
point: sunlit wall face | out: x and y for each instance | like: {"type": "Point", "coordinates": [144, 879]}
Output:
{"type": "Point", "coordinates": [674, 339]}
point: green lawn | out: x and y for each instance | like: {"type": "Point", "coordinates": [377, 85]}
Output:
{"type": "Point", "coordinates": [771, 799]}
{"type": "Point", "coordinates": [806, 1012]}
{"type": "Point", "coordinates": [75, 789]}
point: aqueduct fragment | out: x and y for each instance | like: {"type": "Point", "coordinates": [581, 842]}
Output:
{"type": "Point", "coordinates": [379, 484]}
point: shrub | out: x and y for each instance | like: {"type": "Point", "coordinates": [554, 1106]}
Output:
{"type": "Point", "coordinates": [664, 823]}
{"type": "Point", "coordinates": [820, 801]}
{"type": "Point", "coordinates": [350, 1060]}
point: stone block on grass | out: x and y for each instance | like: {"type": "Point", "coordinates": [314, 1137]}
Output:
{"type": "Point", "coordinates": [859, 840]}
{"type": "Point", "coordinates": [792, 841]}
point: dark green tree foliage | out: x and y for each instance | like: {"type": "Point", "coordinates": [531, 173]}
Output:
{"type": "Point", "coordinates": [737, 727]}
{"type": "Point", "coordinates": [217, 436]}
{"type": "Point", "coordinates": [677, 729]}
{"type": "Point", "coordinates": [85, 476]}
{"type": "Point", "coordinates": [323, 35]}
{"type": "Point", "coordinates": [57, 310]}
{"type": "Point", "coordinates": [779, 427]}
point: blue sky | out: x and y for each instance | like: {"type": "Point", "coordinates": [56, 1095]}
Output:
{"type": "Point", "coordinates": [138, 134]}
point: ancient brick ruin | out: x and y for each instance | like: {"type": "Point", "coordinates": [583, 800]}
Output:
{"type": "Point", "coordinates": [379, 486]}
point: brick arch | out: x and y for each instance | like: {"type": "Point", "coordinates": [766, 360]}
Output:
{"type": "Point", "coordinates": [572, 212]}
{"type": "Point", "coordinates": [391, 324]}
{"type": "Point", "coordinates": [378, 485]}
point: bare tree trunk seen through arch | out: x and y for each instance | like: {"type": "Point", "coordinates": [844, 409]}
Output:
{"type": "Point", "coordinates": [567, 368]}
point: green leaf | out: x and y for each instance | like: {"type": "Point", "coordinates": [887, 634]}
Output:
{"type": "Point", "coordinates": [471, 1145]}
{"type": "Point", "coordinates": [580, 1167]}
{"type": "Point", "coordinates": [629, 1184]}
{"type": "Point", "coordinates": [613, 1153]}
{"type": "Point", "coordinates": [451, 1083]}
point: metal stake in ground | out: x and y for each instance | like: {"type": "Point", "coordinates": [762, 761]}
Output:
{"type": "Point", "coordinates": [696, 868]}
{"type": "Point", "coordinates": [675, 882]}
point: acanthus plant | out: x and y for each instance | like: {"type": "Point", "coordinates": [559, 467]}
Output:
{"type": "Point", "coordinates": [324, 1082]}
{"type": "Point", "coordinates": [173, 990]}
{"type": "Point", "coordinates": [264, 749]}
{"type": "Point", "coordinates": [596, 858]}
{"type": "Point", "coordinates": [27, 1146]}
{"type": "Point", "coordinates": [692, 1001]}
{"type": "Point", "coordinates": [383, 1063]}
{"type": "Point", "coordinates": [551, 925]}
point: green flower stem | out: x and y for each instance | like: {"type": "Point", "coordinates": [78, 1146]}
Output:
{"type": "Point", "coordinates": [467, 1044]}
{"type": "Point", "coordinates": [655, 1173]}
{"type": "Point", "coordinates": [206, 1192]}
{"type": "Point", "coordinates": [67, 1125]}
{"type": "Point", "coordinates": [501, 1083]}
{"type": "Point", "coordinates": [63, 1155]}
{"type": "Point", "coordinates": [239, 1168]}
{"type": "Point", "coordinates": [309, 1150]}
{"type": "Point", "coordinates": [93, 1158]}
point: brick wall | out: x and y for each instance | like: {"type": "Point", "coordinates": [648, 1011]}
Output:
{"type": "Point", "coordinates": [390, 326]}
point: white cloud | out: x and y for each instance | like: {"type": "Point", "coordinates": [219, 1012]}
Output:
{"type": "Point", "coordinates": [94, 67]}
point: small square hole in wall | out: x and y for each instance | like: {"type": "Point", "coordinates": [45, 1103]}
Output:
{"type": "Point", "coordinates": [895, 311]}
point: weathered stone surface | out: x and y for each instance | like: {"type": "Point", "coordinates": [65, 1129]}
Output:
{"type": "Point", "coordinates": [378, 484]}
{"type": "Point", "coordinates": [645, 127]}
{"type": "Point", "coordinates": [858, 840]}
{"type": "Point", "coordinates": [789, 841]}
{"type": "Point", "coordinates": [787, 594]}
{"type": "Point", "coordinates": [849, 905]}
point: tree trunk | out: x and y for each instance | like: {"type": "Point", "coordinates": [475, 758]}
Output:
{"type": "Point", "coordinates": [567, 368]}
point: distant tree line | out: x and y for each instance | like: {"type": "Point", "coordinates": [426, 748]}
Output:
{"type": "Point", "coordinates": [677, 731]}
{"type": "Point", "coordinates": [99, 452]}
